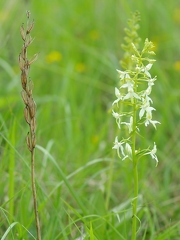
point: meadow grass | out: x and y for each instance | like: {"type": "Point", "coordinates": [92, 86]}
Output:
{"type": "Point", "coordinates": [82, 186]}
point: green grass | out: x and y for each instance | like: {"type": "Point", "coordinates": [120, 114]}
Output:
{"type": "Point", "coordinates": [81, 184]}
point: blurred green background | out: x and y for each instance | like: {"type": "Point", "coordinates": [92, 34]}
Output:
{"type": "Point", "coordinates": [79, 46]}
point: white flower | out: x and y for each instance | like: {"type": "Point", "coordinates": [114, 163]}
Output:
{"type": "Point", "coordinates": [149, 118]}
{"type": "Point", "coordinates": [128, 151]}
{"type": "Point", "coordinates": [117, 116]}
{"type": "Point", "coordinates": [125, 152]}
{"type": "Point", "coordinates": [153, 153]}
{"type": "Point", "coordinates": [123, 74]}
{"type": "Point", "coordinates": [129, 85]}
{"type": "Point", "coordinates": [134, 58]}
{"type": "Point", "coordinates": [149, 88]}
{"type": "Point", "coordinates": [118, 95]}
{"type": "Point", "coordinates": [129, 125]}
{"type": "Point", "coordinates": [145, 69]}
{"type": "Point", "coordinates": [148, 91]}
{"type": "Point", "coordinates": [151, 81]}
{"type": "Point", "coordinates": [145, 95]}
{"type": "Point", "coordinates": [118, 146]}
{"type": "Point", "coordinates": [146, 108]}
{"type": "Point", "coordinates": [131, 94]}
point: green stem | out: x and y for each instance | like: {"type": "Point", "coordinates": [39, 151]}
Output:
{"type": "Point", "coordinates": [38, 228]}
{"type": "Point", "coordinates": [134, 202]}
{"type": "Point", "coordinates": [135, 178]}
{"type": "Point", "coordinates": [11, 173]}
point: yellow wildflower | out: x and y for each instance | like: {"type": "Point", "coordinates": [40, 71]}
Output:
{"type": "Point", "coordinates": [54, 56]}
{"type": "Point", "coordinates": [94, 35]}
{"type": "Point", "coordinates": [80, 67]}
{"type": "Point", "coordinates": [177, 65]}
{"type": "Point", "coordinates": [176, 15]}
{"type": "Point", "coordinates": [95, 139]}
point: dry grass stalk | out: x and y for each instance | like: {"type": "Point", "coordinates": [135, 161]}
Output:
{"type": "Point", "coordinates": [30, 107]}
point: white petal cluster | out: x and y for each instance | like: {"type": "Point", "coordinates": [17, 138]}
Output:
{"type": "Point", "coordinates": [124, 150]}
{"type": "Point", "coordinates": [152, 153]}
{"type": "Point", "coordinates": [130, 94]}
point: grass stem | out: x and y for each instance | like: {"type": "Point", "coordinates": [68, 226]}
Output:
{"type": "Point", "coordinates": [30, 108]}
{"type": "Point", "coordinates": [38, 229]}
{"type": "Point", "coordinates": [11, 173]}
{"type": "Point", "coordinates": [135, 175]}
